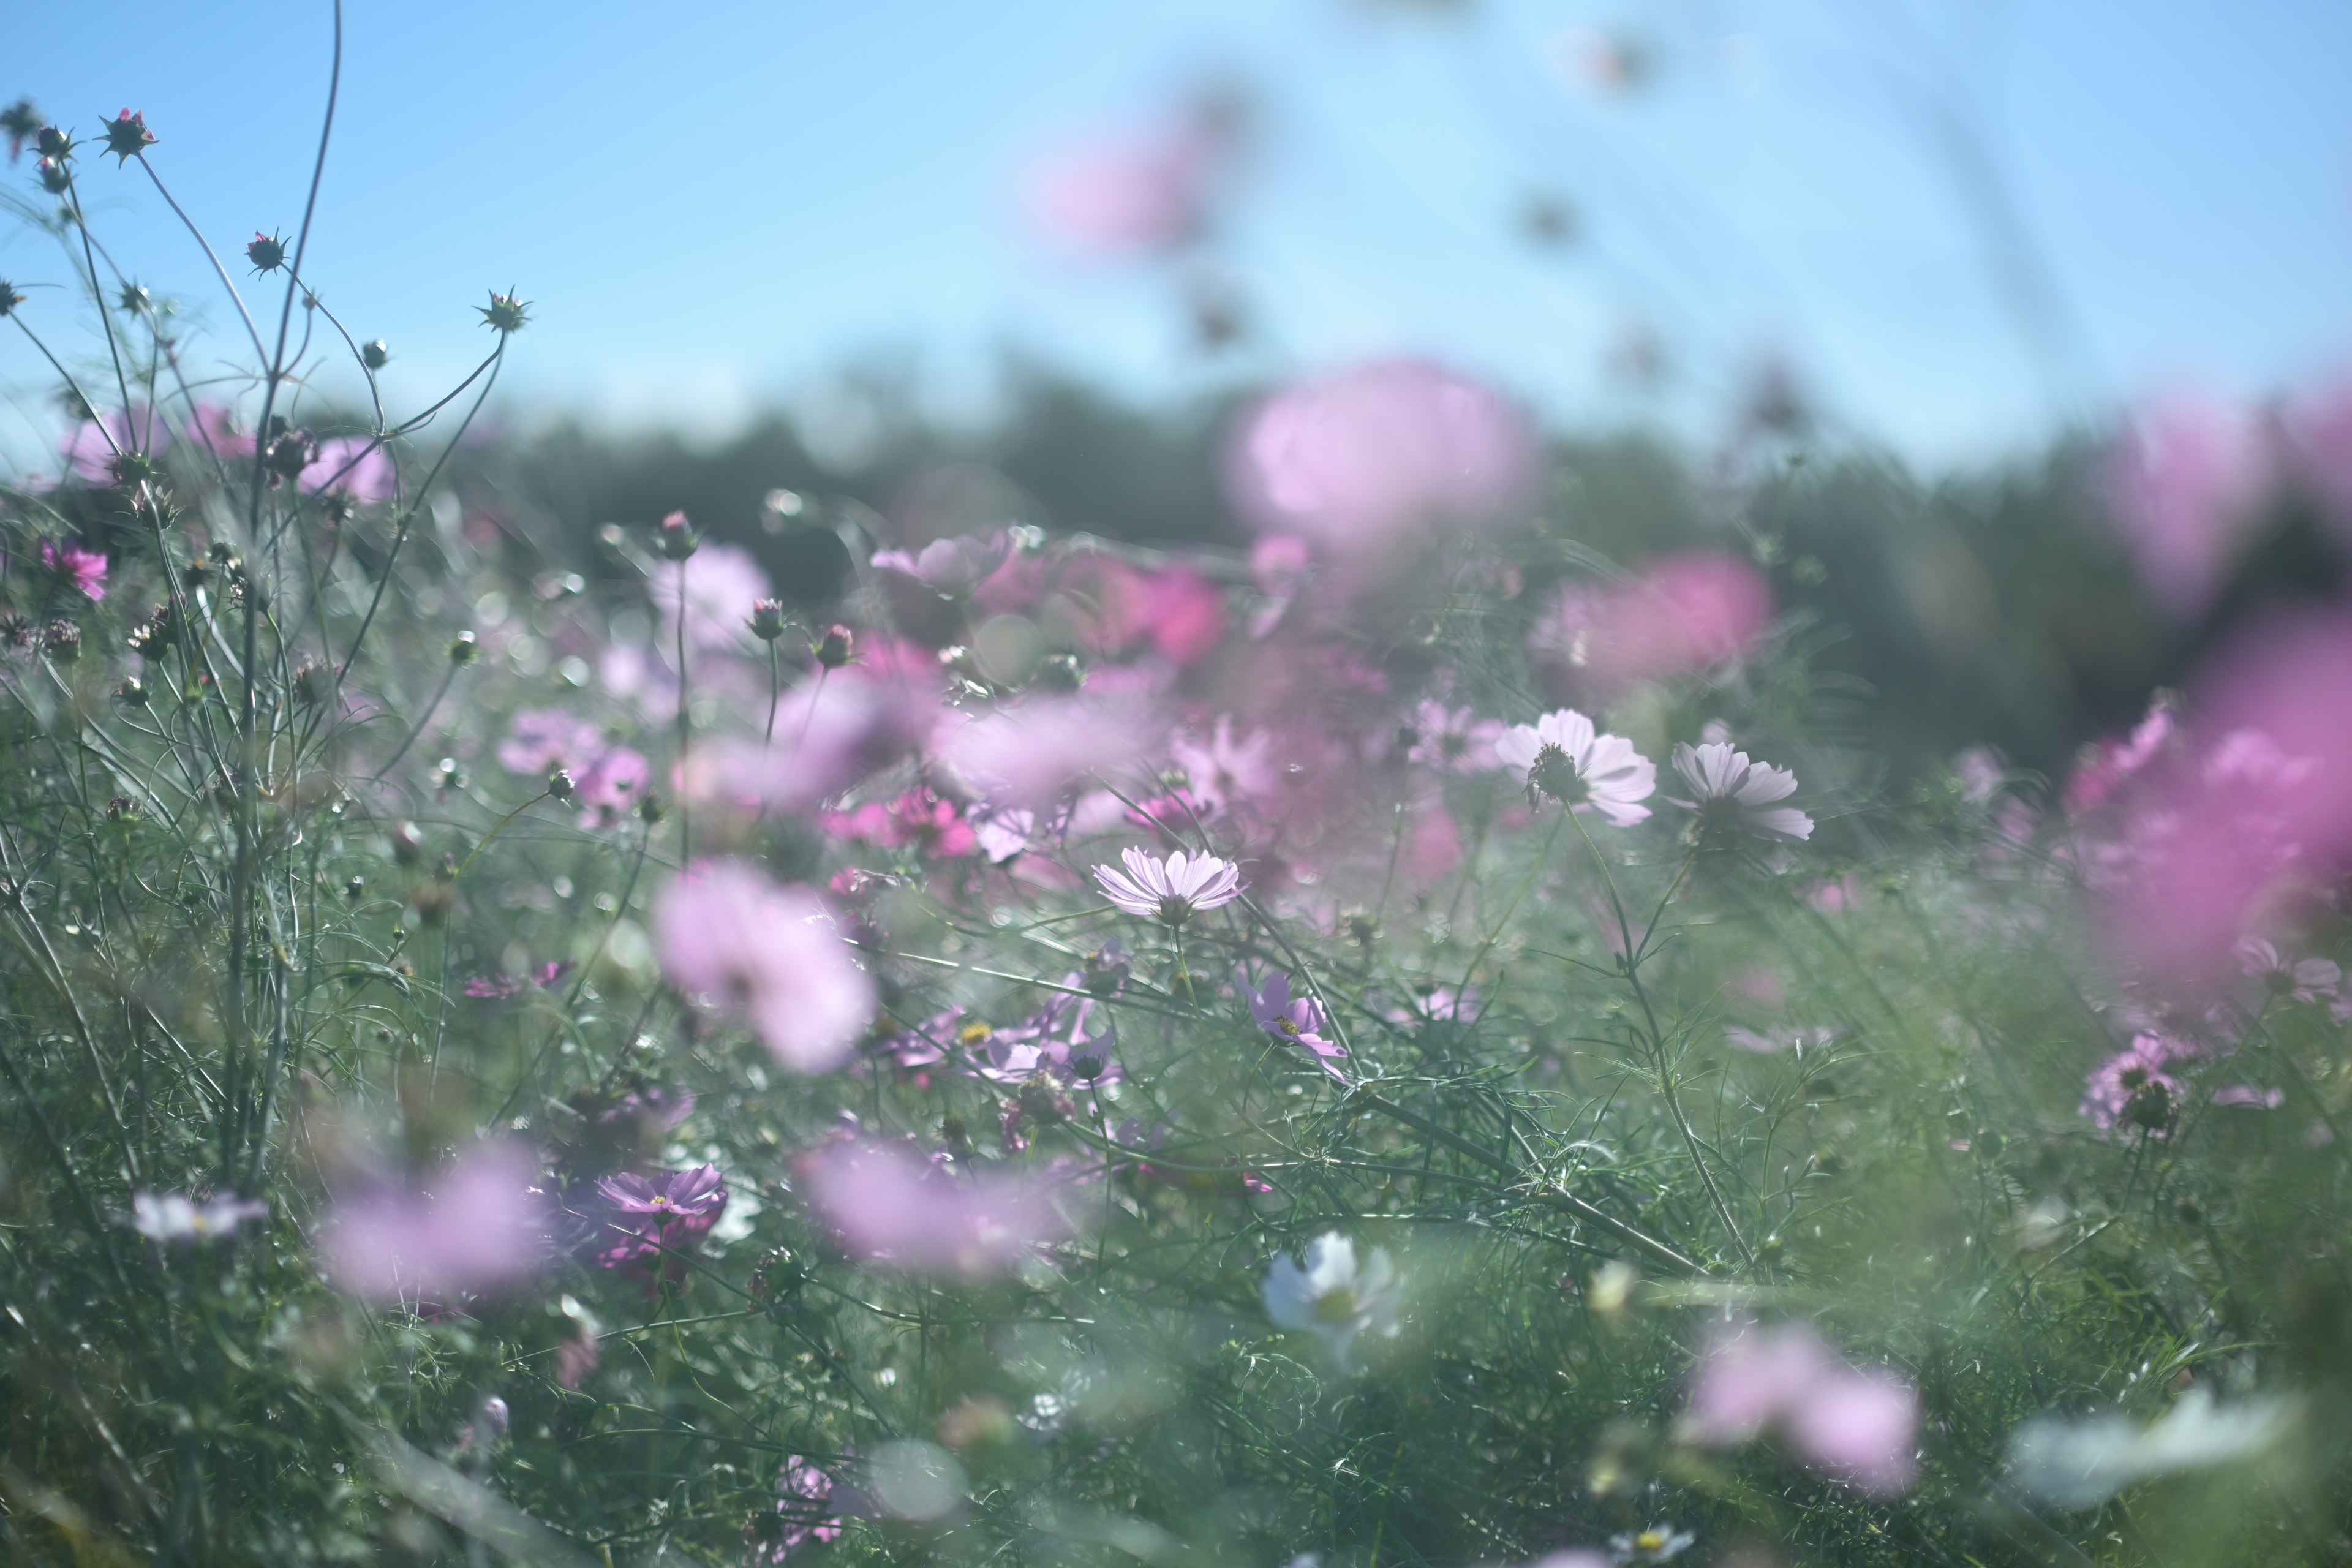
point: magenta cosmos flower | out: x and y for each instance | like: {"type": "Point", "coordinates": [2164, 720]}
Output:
{"type": "Point", "coordinates": [735, 941]}
{"type": "Point", "coordinates": [1300, 1020]}
{"type": "Point", "coordinates": [658, 1216]}
{"type": "Point", "coordinates": [1730, 791]}
{"type": "Point", "coordinates": [1173, 890]}
{"type": "Point", "coordinates": [891, 1207]}
{"type": "Point", "coordinates": [1562, 756]}
{"type": "Point", "coordinates": [2133, 1088]}
{"type": "Point", "coordinates": [83, 570]}
{"type": "Point", "coordinates": [484, 1224]}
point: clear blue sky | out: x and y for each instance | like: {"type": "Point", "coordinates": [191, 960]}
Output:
{"type": "Point", "coordinates": [714, 204]}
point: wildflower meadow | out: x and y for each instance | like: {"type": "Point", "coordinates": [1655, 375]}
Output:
{"type": "Point", "coordinates": [1460, 1022]}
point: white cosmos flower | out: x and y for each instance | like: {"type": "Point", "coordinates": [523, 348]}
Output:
{"type": "Point", "coordinates": [1171, 891]}
{"type": "Point", "coordinates": [1727, 790]}
{"type": "Point", "coordinates": [2082, 1463]}
{"type": "Point", "coordinates": [1564, 757]}
{"type": "Point", "coordinates": [1334, 1299]}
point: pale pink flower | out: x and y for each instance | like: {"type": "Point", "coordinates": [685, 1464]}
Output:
{"type": "Point", "coordinates": [609, 787]}
{"type": "Point", "coordinates": [1226, 770]}
{"type": "Point", "coordinates": [1564, 756]}
{"type": "Point", "coordinates": [2305, 980]}
{"type": "Point", "coordinates": [215, 428]}
{"type": "Point", "coordinates": [91, 447]}
{"type": "Point", "coordinates": [482, 1226]}
{"type": "Point", "coordinates": [2319, 432]}
{"type": "Point", "coordinates": [1133, 194]}
{"type": "Point", "coordinates": [353, 466]}
{"type": "Point", "coordinates": [1858, 1424]}
{"type": "Point", "coordinates": [1452, 739]}
{"type": "Point", "coordinates": [2134, 1087]}
{"type": "Point", "coordinates": [1172, 890]}
{"type": "Point", "coordinates": [1861, 1428]}
{"type": "Point", "coordinates": [890, 1208]}
{"type": "Point", "coordinates": [1030, 752]}
{"type": "Point", "coordinates": [2112, 764]}
{"type": "Point", "coordinates": [1731, 792]}
{"type": "Point", "coordinates": [1279, 564]}
{"type": "Point", "coordinates": [732, 940]}
{"type": "Point", "coordinates": [723, 582]}
{"type": "Point", "coordinates": [2183, 482]}
{"type": "Point", "coordinates": [540, 738]}
{"type": "Point", "coordinates": [949, 567]}
{"type": "Point", "coordinates": [829, 733]}
{"type": "Point", "coordinates": [1689, 612]}
{"type": "Point", "coordinates": [1361, 458]}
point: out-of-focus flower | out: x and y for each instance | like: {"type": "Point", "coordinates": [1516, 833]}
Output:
{"type": "Point", "coordinates": [1731, 793]}
{"type": "Point", "coordinates": [658, 1217]}
{"type": "Point", "coordinates": [804, 1512]}
{"type": "Point", "coordinates": [1134, 194]}
{"type": "Point", "coordinates": [1453, 739]}
{"type": "Point", "coordinates": [481, 1227]}
{"type": "Point", "coordinates": [2132, 1087]}
{"type": "Point", "coordinates": [2080, 1463]}
{"type": "Point", "coordinates": [1173, 890]}
{"type": "Point", "coordinates": [1689, 612]}
{"type": "Point", "coordinates": [1333, 1298]}
{"type": "Point", "coordinates": [177, 1218]}
{"type": "Point", "coordinates": [2183, 483]}
{"type": "Point", "coordinates": [609, 787]}
{"type": "Point", "coordinates": [2248, 1097]}
{"type": "Point", "coordinates": [351, 467]}
{"type": "Point", "coordinates": [1656, 1544]}
{"type": "Point", "coordinates": [1296, 1019]}
{"type": "Point", "coordinates": [93, 448]}
{"type": "Point", "coordinates": [82, 570]}
{"type": "Point", "coordinates": [214, 429]}
{"type": "Point", "coordinates": [722, 584]}
{"type": "Point", "coordinates": [2305, 979]}
{"type": "Point", "coordinates": [2320, 437]}
{"type": "Point", "coordinates": [1279, 564]}
{"type": "Point", "coordinates": [1562, 756]}
{"type": "Point", "coordinates": [917, 818]}
{"type": "Point", "coordinates": [730, 938]}
{"type": "Point", "coordinates": [541, 738]}
{"type": "Point", "coordinates": [1361, 459]}
{"type": "Point", "coordinates": [1225, 769]}
{"type": "Point", "coordinates": [1030, 752]}
{"type": "Point", "coordinates": [1859, 1424]}
{"type": "Point", "coordinates": [2112, 764]}
{"type": "Point", "coordinates": [829, 733]}
{"type": "Point", "coordinates": [950, 568]}
{"type": "Point", "coordinates": [892, 1208]}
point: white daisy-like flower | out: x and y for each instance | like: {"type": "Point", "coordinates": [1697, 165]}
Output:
{"type": "Point", "coordinates": [175, 1217]}
{"type": "Point", "coordinates": [1564, 757]}
{"type": "Point", "coordinates": [1334, 1299]}
{"type": "Point", "coordinates": [1172, 890]}
{"type": "Point", "coordinates": [1727, 790]}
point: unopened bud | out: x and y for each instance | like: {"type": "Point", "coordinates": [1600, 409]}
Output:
{"type": "Point", "coordinates": [834, 648]}
{"type": "Point", "coordinates": [266, 251]}
{"type": "Point", "coordinates": [495, 1417]}
{"type": "Point", "coordinates": [374, 353]}
{"type": "Point", "coordinates": [559, 783]}
{"type": "Point", "coordinates": [675, 537]}
{"type": "Point", "coordinates": [131, 693]}
{"type": "Point", "coordinates": [407, 845]}
{"type": "Point", "coordinates": [651, 809]}
{"type": "Point", "coordinates": [767, 619]}
{"type": "Point", "coordinates": [463, 648]}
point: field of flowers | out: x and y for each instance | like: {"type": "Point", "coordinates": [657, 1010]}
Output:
{"type": "Point", "coordinates": [1429, 1037]}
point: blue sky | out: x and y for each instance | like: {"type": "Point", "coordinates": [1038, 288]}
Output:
{"type": "Point", "coordinates": [717, 206]}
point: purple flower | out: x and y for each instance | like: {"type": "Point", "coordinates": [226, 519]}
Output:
{"type": "Point", "coordinates": [733, 939]}
{"type": "Point", "coordinates": [354, 466]}
{"type": "Point", "coordinates": [804, 1512]}
{"type": "Point", "coordinates": [1855, 1423]}
{"type": "Point", "coordinates": [175, 1217]}
{"type": "Point", "coordinates": [1224, 770]}
{"type": "Point", "coordinates": [481, 1227]}
{"type": "Point", "coordinates": [1730, 791]}
{"type": "Point", "coordinates": [1562, 756]}
{"type": "Point", "coordinates": [888, 1206]}
{"type": "Point", "coordinates": [1300, 1019]}
{"type": "Point", "coordinates": [1452, 740]}
{"type": "Point", "coordinates": [658, 1217]}
{"type": "Point", "coordinates": [84, 570]}
{"type": "Point", "coordinates": [1171, 890]}
{"type": "Point", "coordinates": [722, 584]}
{"type": "Point", "coordinates": [949, 567]}
{"type": "Point", "coordinates": [542, 739]}
{"type": "Point", "coordinates": [2133, 1088]}
{"type": "Point", "coordinates": [607, 787]}
{"type": "Point", "coordinates": [2305, 980]}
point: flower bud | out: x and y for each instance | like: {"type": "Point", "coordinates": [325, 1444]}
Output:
{"type": "Point", "coordinates": [560, 784]}
{"type": "Point", "coordinates": [833, 648]}
{"type": "Point", "coordinates": [288, 452]}
{"type": "Point", "coordinates": [53, 141]}
{"type": "Point", "coordinates": [132, 692]}
{"type": "Point", "coordinates": [495, 1417]}
{"type": "Point", "coordinates": [374, 353]}
{"type": "Point", "coordinates": [650, 808]}
{"type": "Point", "coordinates": [122, 808]}
{"type": "Point", "coordinates": [127, 136]}
{"type": "Point", "coordinates": [9, 299]}
{"type": "Point", "coordinates": [54, 178]}
{"type": "Point", "coordinates": [675, 537]}
{"type": "Point", "coordinates": [463, 648]}
{"type": "Point", "coordinates": [266, 251]}
{"type": "Point", "coordinates": [308, 684]}
{"type": "Point", "coordinates": [1062, 671]}
{"type": "Point", "coordinates": [505, 314]}
{"type": "Point", "coordinates": [407, 845]}
{"type": "Point", "coordinates": [767, 619]}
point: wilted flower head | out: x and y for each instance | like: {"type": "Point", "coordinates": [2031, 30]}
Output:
{"type": "Point", "coordinates": [1333, 1298]}
{"type": "Point", "coordinates": [1173, 890]}
{"type": "Point", "coordinates": [1560, 755]}
{"type": "Point", "coordinates": [1359, 460]}
{"type": "Point", "coordinates": [732, 939]}
{"type": "Point", "coordinates": [177, 1218]}
{"type": "Point", "coordinates": [1732, 793]}
{"type": "Point", "coordinates": [481, 1225]}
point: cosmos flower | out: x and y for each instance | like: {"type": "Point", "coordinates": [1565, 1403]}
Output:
{"type": "Point", "coordinates": [1452, 740]}
{"type": "Point", "coordinates": [951, 568]}
{"type": "Point", "coordinates": [2132, 1087]}
{"type": "Point", "coordinates": [354, 467]}
{"type": "Point", "coordinates": [733, 940]}
{"type": "Point", "coordinates": [2080, 1463]}
{"type": "Point", "coordinates": [1300, 1020]}
{"type": "Point", "coordinates": [2305, 980]}
{"type": "Point", "coordinates": [1334, 1299]}
{"type": "Point", "coordinates": [1137, 195]}
{"type": "Point", "coordinates": [177, 1218]}
{"type": "Point", "coordinates": [1560, 755]}
{"type": "Point", "coordinates": [722, 582]}
{"type": "Point", "coordinates": [84, 570]}
{"type": "Point", "coordinates": [658, 1216]}
{"type": "Point", "coordinates": [1226, 770]}
{"type": "Point", "coordinates": [1692, 611]}
{"type": "Point", "coordinates": [1172, 890]}
{"type": "Point", "coordinates": [482, 1226]}
{"type": "Point", "coordinates": [1730, 791]}
{"type": "Point", "coordinates": [805, 1511]}
{"type": "Point", "coordinates": [1655, 1544]}
{"type": "Point", "coordinates": [2183, 482]}
{"type": "Point", "coordinates": [1859, 1424]}
{"type": "Point", "coordinates": [888, 1206]}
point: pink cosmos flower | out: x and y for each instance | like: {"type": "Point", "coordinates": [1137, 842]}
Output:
{"type": "Point", "coordinates": [1562, 756]}
{"type": "Point", "coordinates": [2319, 432]}
{"type": "Point", "coordinates": [918, 816]}
{"type": "Point", "coordinates": [658, 1217]}
{"type": "Point", "coordinates": [2183, 483]}
{"type": "Point", "coordinates": [215, 428]}
{"type": "Point", "coordinates": [829, 733]}
{"type": "Point", "coordinates": [2305, 980]}
{"type": "Point", "coordinates": [483, 1225]}
{"type": "Point", "coordinates": [2111, 764]}
{"type": "Point", "coordinates": [1300, 1019]}
{"type": "Point", "coordinates": [1731, 792]}
{"type": "Point", "coordinates": [1694, 611]}
{"type": "Point", "coordinates": [2133, 1088]}
{"type": "Point", "coordinates": [607, 788]}
{"type": "Point", "coordinates": [540, 738]}
{"type": "Point", "coordinates": [1226, 770]}
{"type": "Point", "coordinates": [1453, 739]}
{"type": "Point", "coordinates": [1172, 890]}
{"type": "Point", "coordinates": [888, 1206]}
{"type": "Point", "coordinates": [723, 582]}
{"type": "Point", "coordinates": [1361, 459]}
{"type": "Point", "coordinates": [355, 467]}
{"type": "Point", "coordinates": [1279, 565]}
{"type": "Point", "coordinates": [804, 1503]}
{"type": "Point", "coordinates": [1858, 1424]}
{"type": "Point", "coordinates": [1184, 613]}
{"type": "Point", "coordinates": [89, 447]}
{"type": "Point", "coordinates": [732, 940]}
{"type": "Point", "coordinates": [83, 570]}
{"type": "Point", "coordinates": [1030, 752]}
{"type": "Point", "coordinates": [1136, 194]}
{"type": "Point", "coordinates": [951, 568]}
